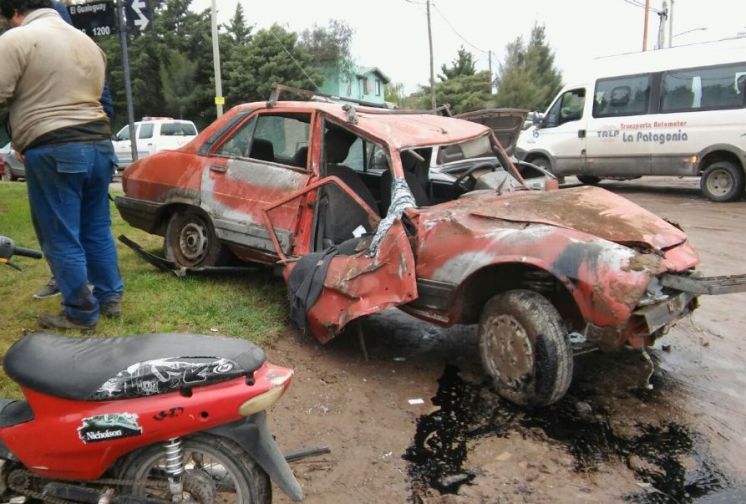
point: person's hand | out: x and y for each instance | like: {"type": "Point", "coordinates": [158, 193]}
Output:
{"type": "Point", "coordinates": [19, 155]}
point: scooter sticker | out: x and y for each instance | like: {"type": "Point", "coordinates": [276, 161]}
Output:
{"type": "Point", "coordinates": [109, 427]}
{"type": "Point", "coordinates": [165, 375]}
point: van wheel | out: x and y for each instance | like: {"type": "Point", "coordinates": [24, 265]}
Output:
{"type": "Point", "coordinates": [722, 181]}
{"type": "Point", "coordinates": [588, 179]}
{"type": "Point", "coordinates": [542, 162]}
{"type": "Point", "coordinates": [524, 348]}
{"type": "Point", "coordinates": [191, 242]}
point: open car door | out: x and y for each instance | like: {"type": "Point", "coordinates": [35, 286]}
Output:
{"type": "Point", "coordinates": [343, 282]}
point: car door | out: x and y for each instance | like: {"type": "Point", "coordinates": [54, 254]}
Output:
{"type": "Point", "coordinates": [361, 276]}
{"type": "Point", "coordinates": [258, 162]}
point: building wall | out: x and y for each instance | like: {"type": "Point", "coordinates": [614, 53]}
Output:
{"type": "Point", "coordinates": [339, 85]}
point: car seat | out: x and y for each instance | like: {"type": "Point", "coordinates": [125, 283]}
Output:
{"type": "Point", "coordinates": [341, 215]}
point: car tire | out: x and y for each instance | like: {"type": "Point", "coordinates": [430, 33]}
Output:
{"type": "Point", "coordinates": [722, 181]}
{"type": "Point", "coordinates": [524, 348]}
{"type": "Point", "coordinates": [588, 179]}
{"type": "Point", "coordinates": [191, 242]}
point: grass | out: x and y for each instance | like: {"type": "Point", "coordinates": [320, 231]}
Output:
{"type": "Point", "coordinates": [252, 307]}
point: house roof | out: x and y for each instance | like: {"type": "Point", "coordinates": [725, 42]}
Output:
{"type": "Point", "coordinates": [363, 71]}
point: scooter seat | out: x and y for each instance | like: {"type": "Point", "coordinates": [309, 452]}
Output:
{"type": "Point", "coordinates": [102, 369]}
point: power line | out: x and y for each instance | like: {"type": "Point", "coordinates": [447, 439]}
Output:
{"type": "Point", "coordinates": [293, 58]}
{"type": "Point", "coordinates": [456, 31]}
{"type": "Point", "coordinates": [638, 3]}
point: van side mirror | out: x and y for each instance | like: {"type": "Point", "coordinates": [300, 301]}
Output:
{"type": "Point", "coordinates": [620, 96]}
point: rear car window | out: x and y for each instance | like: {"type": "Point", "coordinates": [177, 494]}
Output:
{"type": "Point", "coordinates": [178, 129]}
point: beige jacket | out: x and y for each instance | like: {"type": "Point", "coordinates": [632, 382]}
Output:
{"type": "Point", "coordinates": [51, 76]}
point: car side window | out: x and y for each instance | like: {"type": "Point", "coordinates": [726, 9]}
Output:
{"type": "Point", "coordinates": [238, 143]}
{"type": "Point", "coordinates": [145, 131]}
{"type": "Point", "coordinates": [622, 96]}
{"type": "Point", "coordinates": [124, 133]}
{"type": "Point", "coordinates": [282, 139]}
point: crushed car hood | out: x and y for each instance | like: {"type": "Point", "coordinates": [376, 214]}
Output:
{"type": "Point", "coordinates": [590, 210]}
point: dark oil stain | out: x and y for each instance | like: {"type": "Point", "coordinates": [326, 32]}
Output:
{"type": "Point", "coordinates": [670, 462]}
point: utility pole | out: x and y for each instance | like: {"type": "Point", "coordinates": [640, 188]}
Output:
{"type": "Point", "coordinates": [432, 64]}
{"type": "Point", "coordinates": [489, 53]}
{"type": "Point", "coordinates": [670, 26]}
{"type": "Point", "coordinates": [645, 27]}
{"type": "Point", "coordinates": [663, 15]}
{"type": "Point", "coordinates": [219, 99]}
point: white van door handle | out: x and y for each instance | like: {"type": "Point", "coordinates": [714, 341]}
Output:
{"type": "Point", "coordinates": [581, 133]}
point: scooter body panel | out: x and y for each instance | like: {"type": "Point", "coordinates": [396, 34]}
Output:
{"type": "Point", "coordinates": [80, 440]}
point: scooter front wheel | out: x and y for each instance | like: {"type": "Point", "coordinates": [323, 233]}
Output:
{"type": "Point", "coordinates": [215, 470]}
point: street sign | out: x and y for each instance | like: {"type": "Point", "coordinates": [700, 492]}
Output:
{"type": "Point", "coordinates": [96, 19]}
{"type": "Point", "coordinates": [220, 100]}
{"type": "Point", "coordinates": [138, 15]}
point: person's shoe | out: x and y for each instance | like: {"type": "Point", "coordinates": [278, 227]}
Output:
{"type": "Point", "coordinates": [111, 309]}
{"type": "Point", "coordinates": [49, 290]}
{"type": "Point", "coordinates": [63, 321]}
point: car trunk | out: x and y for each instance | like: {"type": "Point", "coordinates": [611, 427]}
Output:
{"type": "Point", "coordinates": [506, 123]}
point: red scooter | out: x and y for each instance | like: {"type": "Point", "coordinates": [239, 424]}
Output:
{"type": "Point", "coordinates": [155, 418]}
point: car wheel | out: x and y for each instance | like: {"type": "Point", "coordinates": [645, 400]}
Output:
{"type": "Point", "coordinates": [191, 241]}
{"type": "Point", "coordinates": [588, 179]}
{"type": "Point", "coordinates": [722, 181]}
{"type": "Point", "coordinates": [524, 348]}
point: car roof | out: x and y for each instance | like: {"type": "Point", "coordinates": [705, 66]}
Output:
{"type": "Point", "coordinates": [399, 129]}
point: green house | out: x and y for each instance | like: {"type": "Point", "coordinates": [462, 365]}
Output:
{"type": "Point", "coordinates": [363, 83]}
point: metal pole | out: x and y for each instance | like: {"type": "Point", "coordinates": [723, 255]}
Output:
{"type": "Point", "coordinates": [216, 62]}
{"type": "Point", "coordinates": [127, 77]}
{"type": "Point", "coordinates": [491, 79]}
{"type": "Point", "coordinates": [645, 27]}
{"type": "Point", "coordinates": [663, 14]}
{"type": "Point", "coordinates": [432, 65]}
{"type": "Point", "coordinates": [670, 26]}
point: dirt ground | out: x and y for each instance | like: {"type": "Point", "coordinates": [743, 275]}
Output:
{"type": "Point", "coordinates": [609, 440]}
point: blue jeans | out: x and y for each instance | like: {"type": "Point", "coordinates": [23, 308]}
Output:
{"type": "Point", "coordinates": [68, 188]}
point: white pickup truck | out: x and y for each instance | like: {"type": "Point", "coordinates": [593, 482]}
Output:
{"type": "Point", "coordinates": [153, 134]}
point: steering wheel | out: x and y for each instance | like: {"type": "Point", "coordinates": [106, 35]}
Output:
{"type": "Point", "coordinates": [466, 181]}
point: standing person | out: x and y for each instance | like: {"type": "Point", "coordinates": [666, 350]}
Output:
{"type": "Point", "coordinates": [51, 288]}
{"type": "Point", "coordinates": [51, 76]}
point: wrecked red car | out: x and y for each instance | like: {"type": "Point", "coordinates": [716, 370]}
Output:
{"type": "Point", "coordinates": [341, 198]}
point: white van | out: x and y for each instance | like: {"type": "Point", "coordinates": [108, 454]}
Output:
{"type": "Point", "coordinates": [678, 111]}
{"type": "Point", "coordinates": [152, 134]}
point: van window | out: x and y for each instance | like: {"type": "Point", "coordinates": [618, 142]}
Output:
{"type": "Point", "coordinates": [622, 96]}
{"type": "Point", "coordinates": [704, 88]}
{"type": "Point", "coordinates": [569, 107]}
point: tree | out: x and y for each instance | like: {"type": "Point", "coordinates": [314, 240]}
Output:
{"type": "Point", "coordinates": [178, 82]}
{"type": "Point", "coordinates": [462, 88]}
{"type": "Point", "coordinates": [237, 29]}
{"type": "Point", "coordinates": [528, 78]}
{"type": "Point", "coordinates": [463, 65]}
{"type": "Point", "coordinates": [329, 47]}
{"type": "Point", "coordinates": [273, 55]}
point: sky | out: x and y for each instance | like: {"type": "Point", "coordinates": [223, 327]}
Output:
{"type": "Point", "coordinates": [392, 34]}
